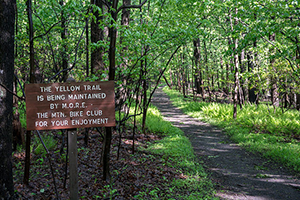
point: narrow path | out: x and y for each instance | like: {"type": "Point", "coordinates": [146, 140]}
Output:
{"type": "Point", "coordinates": [238, 174]}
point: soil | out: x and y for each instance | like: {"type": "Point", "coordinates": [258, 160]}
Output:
{"type": "Point", "coordinates": [236, 173]}
{"type": "Point", "coordinates": [133, 176]}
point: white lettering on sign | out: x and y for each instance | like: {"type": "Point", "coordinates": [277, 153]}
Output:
{"type": "Point", "coordinates": [56, 97]}
{"type": "Point", "coordinates": [40, 98]}
{"type": "Point", "coordinates": [76, 113]}
{"type": "Point", "coordinates": [53, 106]}
{"type": "Point", "coordinates": [93, 113]}
{"type": "Point", "coordinates": [87, 96]}
{"type": "Point", "coordinates": [73, 105]}
{"type": "Point", "coordinates": [42, 115]}
{"type": "Point", "coordinates": [89, 121]}
{"type": "Point", "coordinates": [57, 115]}
{"type": "Point", "coordinates": [59, 123]}
{"type": "Point", "coordinates": [93, 87]}
{"type": "Point", "coordinates": [71, 88]}
{"type": "Point", "coordinates": [41, 124]}
{"type": "Point", "coordinates": [46, 89]}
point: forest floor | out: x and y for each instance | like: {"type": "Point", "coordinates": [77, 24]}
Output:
{"type": "Point", "coordinates": [141, 175]}
{"type": "Point", "coordinates": [236, 173]}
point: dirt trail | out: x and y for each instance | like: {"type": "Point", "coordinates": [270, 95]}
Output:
{"type": "Point", "coordinates": [237, 173]}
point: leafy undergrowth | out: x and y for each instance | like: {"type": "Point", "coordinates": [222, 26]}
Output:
{"type": "Point", "coordinates": [159, 169]}
{"type": "Point", "coordinates": [274, 134]}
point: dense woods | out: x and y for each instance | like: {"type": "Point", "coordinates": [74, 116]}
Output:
{"type": "Point", "coordinates": [235, 52]}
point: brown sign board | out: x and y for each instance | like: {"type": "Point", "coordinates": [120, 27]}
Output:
{"type": "Point", "coordinates": [70, 105]}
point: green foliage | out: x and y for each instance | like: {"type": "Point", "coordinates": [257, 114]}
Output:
{"type": "Point", "coordinates": [257, 129]}
{"type": "Point", "coordinates": [176, 149]}
{"type": "Point", "coordinates": [38, 146]}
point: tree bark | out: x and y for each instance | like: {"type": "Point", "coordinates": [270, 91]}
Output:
{"type": "Point", "coordinates": [7, 21]}
{"type": "Point", "coordinates": [242, 90]}
{"type": "Point", "coordinates": [122, 96]}
{"type": "Point", "coordinates": [32, 80]}
{"type": "Point", "coordinates": [198, 71]}
{"type": "Point", "coordinates": [112, 65]}
{"type": "Point", "coordinates": [273, 83]}
{"type": "Point", "coordinates": [236, 70]}
{"type": "Point", "coordinates": [251, 89]}
{"type": "Point", "coordinates": [64, 62]}
{"type": "Point", "coordinates": [183, 74]}
{"type": "Point", "coordinates": [208, 75]}
{"type": "Point", "coordinates": [171, 78]}
{"type": "Point", "coordinates": [97, 35]}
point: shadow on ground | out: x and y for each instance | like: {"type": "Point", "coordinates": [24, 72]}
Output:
{"type": "Point", "coordinates": [237, 174]}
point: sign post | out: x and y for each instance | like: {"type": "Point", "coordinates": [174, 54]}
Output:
{"type": "Point", "coordinates": [69, 106]}
{"type": "Point", "coordinates": [73, 166]}
{"type": "Point", "coordinates": [73, 154]}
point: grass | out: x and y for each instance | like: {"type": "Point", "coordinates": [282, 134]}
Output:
{"type": "Point", "coordinates": [38, 146]}
{"type": "Point", "coordinates": [273, 134]}
{"type": "Point", "coordinates": [177, 151]}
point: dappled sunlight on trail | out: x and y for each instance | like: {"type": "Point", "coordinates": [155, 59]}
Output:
{"type": "Point", "coordinates": [237, 174]}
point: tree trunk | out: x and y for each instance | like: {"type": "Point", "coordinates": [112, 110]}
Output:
{"type": "Point", "coordinates": [87, 44]}
{"type": "Point", "coordinates": [236, 70]}
{"type": "Point", "coordinates": [122, 92]}
{"type": "Point", "coordinates": [184, 82]}
{"type": "Point", "coordinates": [7, 21]}
{"type": "Point", "coordinates": [198, 70]}
{"type": "Point", "coordinates": [242, 91]}
{"type": "Point", "coordinates": [112, 65]}
{"type": "Point", "coordinates": [97, 35]}
{"type": "Point", "coordinates": [171, 78]}
{"type": "Point", "coordinates": [32, 80]}
{"type": "Point", "coordinates": [273, 83]}
{"type": "Point", "coordinates": [298, 101]}
{"type": "Point", "coordinates": [145, 99]}
{"type": "Point", "coordinates": [198, 74]}
{"type": "Point", "coordinates": [251, 89]}
{"type": "Point", "coordinates": [64, 62]}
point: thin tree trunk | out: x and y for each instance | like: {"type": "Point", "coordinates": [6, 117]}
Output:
{"type": "Point", "coordinates": [97, 35]}
{"type": "Point", "coordinates": [184, 82]}
{"type": "Point", "coordinates": [198, 73]}
{"type": "Point", "coordinates": [87, 39]}
{"type": "Point", "coordinates": [236, 70]}
{"type": "Point", "coordinates": [32, 80]}
{"type": "Point", "coordinates": [242, 90]}
{"type": "Point", "coordinates": [112, 65]}
{"type": "Point", "coordinates": [273, 83]}
{"type": "Point", "coordinates": [208, 75]}
{"type": "Point", "coordinates": [251, 88]}
{"type": "Point", "coordinates": [144, 98]}
{"type": "Point", "coordinates": [64, 62]}
{"type": "Point", "coordinates": [171, 78]}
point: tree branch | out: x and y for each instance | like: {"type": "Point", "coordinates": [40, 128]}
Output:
{"type": "Point", "coordinates": [8, 90]}
{"type": "Point", "coordinates": [46, 32]}
{"type": "Point", "coordinates": [106, 3]}
{"type": "Point", "coordinates": [130, 6]}
{"type": "Point", "coordinates": [162, 72]}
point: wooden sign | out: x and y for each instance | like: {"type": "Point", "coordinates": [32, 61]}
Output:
{"type": "Point", "coordinates": [70, 105]}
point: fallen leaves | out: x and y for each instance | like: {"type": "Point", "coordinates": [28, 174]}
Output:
{"type": "Point", "coordinates": [141, 175]}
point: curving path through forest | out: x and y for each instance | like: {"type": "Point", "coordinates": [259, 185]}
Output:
{"type": "Point", "coordinates": [237, 174]}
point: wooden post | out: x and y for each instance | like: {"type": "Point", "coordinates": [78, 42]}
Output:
{"type": "Point", "coordinates": [73, 166]}
{"type": "Point", "coordinates": [73, 181]}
